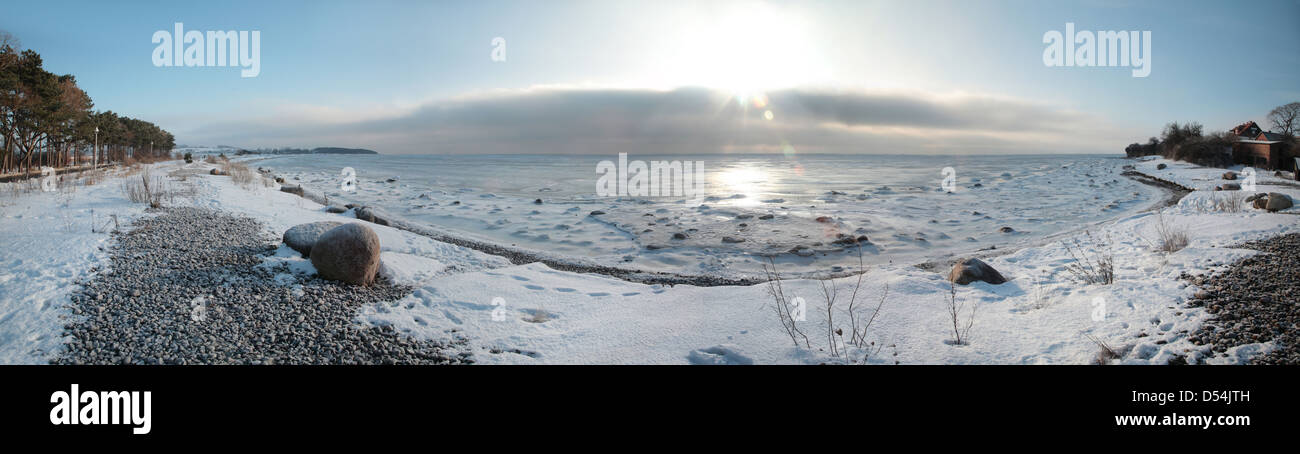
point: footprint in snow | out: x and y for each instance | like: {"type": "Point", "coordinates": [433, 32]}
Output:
{"type": "Point", "coordinates": [719, 355]}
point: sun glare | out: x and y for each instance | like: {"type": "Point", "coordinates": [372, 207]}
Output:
{"type": "Point", "coordinates": [744, 180]}
{"type": "Point", "coordinates": [745, 50]}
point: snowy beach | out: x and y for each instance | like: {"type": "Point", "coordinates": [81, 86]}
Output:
{"type": "Point", "coordinates": [506, 313]}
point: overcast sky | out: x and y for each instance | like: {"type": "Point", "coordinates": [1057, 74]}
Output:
{"type": "Point", "coordinates": [666, 77]}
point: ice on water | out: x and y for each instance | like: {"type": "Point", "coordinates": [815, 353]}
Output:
{"type": "Point", "coordinates": [801, 210]}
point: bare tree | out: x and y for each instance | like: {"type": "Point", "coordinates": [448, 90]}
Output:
{"type": "Point", "coordinates": [8, 39]}
{"type": "Point", "coordinates": [1286, 118]}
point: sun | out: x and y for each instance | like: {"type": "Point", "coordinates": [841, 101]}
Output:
{"type": "Point", "coordinates": [745, 50]}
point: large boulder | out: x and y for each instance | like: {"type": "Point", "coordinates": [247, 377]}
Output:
{"type": "Point", "coordinates": [973, 269]}
{"type": "Point", "coordinates": [1229, 175]}
{"type": "Point", "coordinates": [348, 253]}
{"type": "Point", "coordinates": [372, 214]}
{"type": "Point", "coordinates": [292, 189]}
{"type": "Point", "coordinates": [301, 237]}
{"type": "Point", "coordinates": [1278, 201]}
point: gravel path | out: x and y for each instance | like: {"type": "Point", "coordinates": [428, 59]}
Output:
{"type": "Point", "coordinates": [185, 288]}
{"type": "Point", "coordinates": [1256, 300]}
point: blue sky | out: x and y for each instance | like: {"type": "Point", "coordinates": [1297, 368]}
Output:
{"type": "Point", "coordinates": [409, 77]}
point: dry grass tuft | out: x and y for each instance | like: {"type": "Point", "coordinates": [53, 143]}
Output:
{"type": "Point", "coordinates": [239, 173]}
{"type": "Point", "coordinates": [1092, 264]}
{"type": "Point", "coordinates": [146, 188]}
{"type": "Point", "coordinates": [1229, 201]}
{"type": "Point", "coordinates": [1170, 237]}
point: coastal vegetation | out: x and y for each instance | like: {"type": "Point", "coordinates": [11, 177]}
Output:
{"type": "Point", "coordinates": [46, 120]}
{"type": "Point", "coordinates": [1188, 142]}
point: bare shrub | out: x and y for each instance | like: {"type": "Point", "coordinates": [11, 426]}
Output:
{"type": "Point", "coordinates": [19, 187]}
{"type": "Point", "coordinates": [146, 189]}
{"type": "Point", "coordinates": [1229, 201]}
{"type": "Point", "coordinates": [961, 324]}
{"type": "Point", "coordinates": [239, 173]}
{"type": "Point", "coordinates": [855, 348]}
{"type": "Point", "coordinates": [860, 317]}
{"type": "Point", "coordinates": [1106, 354]}
{"type": "Point", "coordinates": [210, 159]}
{"type": "Point", "coordinates": [1214, 150]}
{"type": "Point", "coordinates": [91, 177]}
{"type": "Point", "coordinates": [67, 185]}
{"type": "Point", "coordinates": [1092, 265]}
{"type": "Point", "coordinates": [785, 310]}
{"type": "Point", "coordinates": [103, 223]}
{"type": "Point", "coordinates": [1039, 296]}
{"type": "Point", "coordinates": [860, 320]}
{"type": "Point", "coordinates": [1169, 237]}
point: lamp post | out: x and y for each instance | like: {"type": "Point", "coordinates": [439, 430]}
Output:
{"type": "Point", "coordinates": [94, 161]}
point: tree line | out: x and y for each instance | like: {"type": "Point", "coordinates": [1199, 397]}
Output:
{"type": "Point", "coordinates": [1188, 142]}
{"type": "Point", "coordinates": [47, 120]}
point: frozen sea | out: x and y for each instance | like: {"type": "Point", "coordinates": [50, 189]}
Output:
{"type": "Point", "coordinates": [792, 208]}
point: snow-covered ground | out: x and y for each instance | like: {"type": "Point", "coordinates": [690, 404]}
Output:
{"type": "Point", "coordinates": [532, 314]}
{"type": "Point", "coordinates": [49, 240]}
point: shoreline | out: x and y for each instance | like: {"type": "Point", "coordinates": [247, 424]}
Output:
{"type": "Point", "coordinates": [563, 316]}
{"type": "Point", "coordinates": [1175, 191]}
{"type": "Point", "coordinates": [518, 256]}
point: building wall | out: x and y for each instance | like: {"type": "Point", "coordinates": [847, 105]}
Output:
{"type": "Point", "coordinates": [1262, 155]}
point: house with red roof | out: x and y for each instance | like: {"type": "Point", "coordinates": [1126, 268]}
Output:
{"type": "Point", "coordinates": [1262, 149]}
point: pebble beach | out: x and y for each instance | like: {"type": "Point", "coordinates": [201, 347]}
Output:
{"type": "Point", "coordinates": [185, 287]}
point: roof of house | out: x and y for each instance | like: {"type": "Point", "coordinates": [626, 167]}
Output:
{"type": "Point", "coordinates": [1269, 136]}
{"type": "Point", "coordinates": [1241, 129]}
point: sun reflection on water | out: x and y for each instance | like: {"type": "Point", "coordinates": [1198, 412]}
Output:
{"type": "Point", "coordinates": [743, 179]}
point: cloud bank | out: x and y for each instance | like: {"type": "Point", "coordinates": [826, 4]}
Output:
{"type": "Point", "coordinates": [685, 120]}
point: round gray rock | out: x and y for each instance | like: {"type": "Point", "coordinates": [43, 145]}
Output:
{"type": "Point", "coordinates": [347, 253]}
{"type": "Point", "coordinates": [301, 237]}
{"type": "Point", "coordinates": [1278, 201]}
{"type": "Point", "coordinates": [973, 269]}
